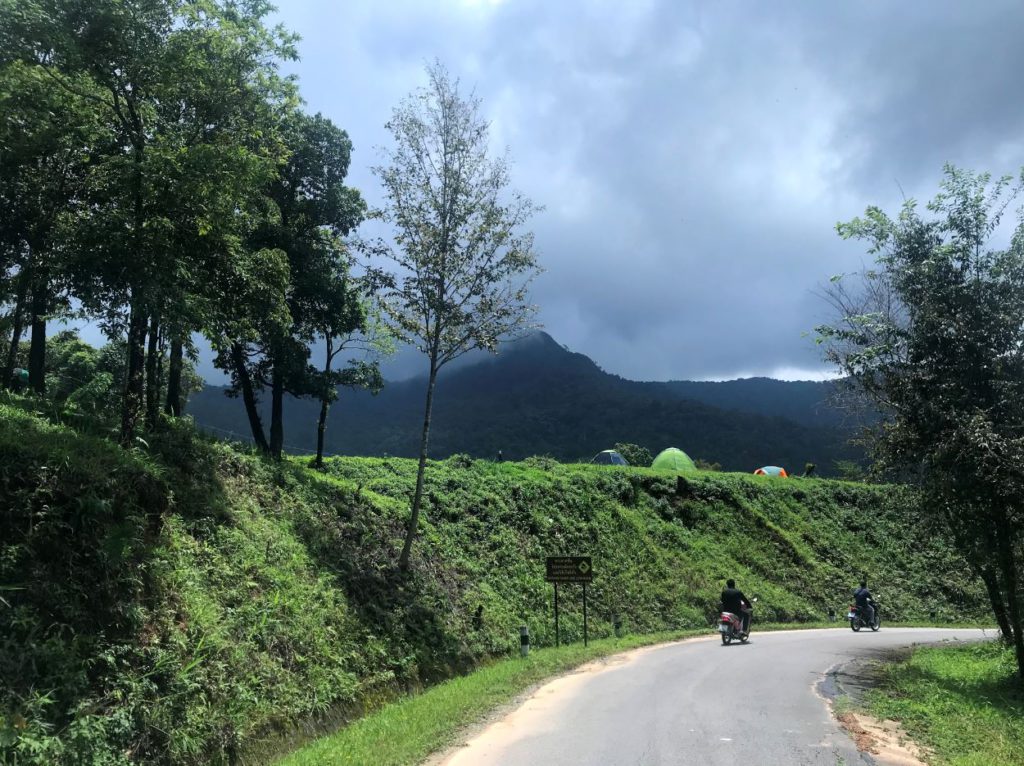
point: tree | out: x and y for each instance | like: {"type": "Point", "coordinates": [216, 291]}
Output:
{"type": "Point", "coordinates": [45, 141]}
{"type": "Point", "coordinates": [183, 88]}
{"type": "Point", "coordinates": [309, 209]}
{"type": "Point", "coordinates": [464, 263]}
{"type": "Point", "coordinates": [933, 333]}
{"type": "Point", "coordinates": [361, 334]}
{"type": "Point", "coordinates": [634, 453]}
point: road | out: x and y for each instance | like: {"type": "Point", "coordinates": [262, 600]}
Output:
{"type": "Point", "coordinates": [693, 702]}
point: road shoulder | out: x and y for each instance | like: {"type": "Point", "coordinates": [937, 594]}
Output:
{"type": "Point", "coordinates": [845, 688]}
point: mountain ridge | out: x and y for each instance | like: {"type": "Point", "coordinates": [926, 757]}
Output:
{"type": "Point", "coordinates": [539, 397]}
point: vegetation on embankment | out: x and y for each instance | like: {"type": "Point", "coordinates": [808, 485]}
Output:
{"type": "Point", "coordinates": [963, 703]}
{"type": "Point", "coordinates": [185, 602]}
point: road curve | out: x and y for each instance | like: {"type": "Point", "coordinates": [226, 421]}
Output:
{"type": "Point", "coordinates": [693, 702]}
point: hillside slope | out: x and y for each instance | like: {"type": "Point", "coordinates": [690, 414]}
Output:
{"type": "Point", "coordinates": [538, 398]}
{"type": "Point", "coordinates": [185, 603]}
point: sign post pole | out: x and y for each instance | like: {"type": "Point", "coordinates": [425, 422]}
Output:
{"type": "Point", "coordinates": [558, 641]}
{"type": "Point", "coordinates": [569, 569]}
{"type": "Point", "coordinates": [584, 614]}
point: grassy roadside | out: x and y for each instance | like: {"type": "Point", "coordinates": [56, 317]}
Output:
{"type": "Point", "coordinates": [408, 731]}
{"type": "Point", "coordinates": [961, 703]}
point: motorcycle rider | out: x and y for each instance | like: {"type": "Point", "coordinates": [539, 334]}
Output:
{"type": "Point", "coordinates": [862, 596]}
{"type": "Point", "coordinates": [734, 601]}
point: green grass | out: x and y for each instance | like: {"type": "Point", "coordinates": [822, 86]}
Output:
{"type": "Point", "coordinates": [964, 704]}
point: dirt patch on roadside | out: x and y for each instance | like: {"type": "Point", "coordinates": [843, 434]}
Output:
{"type": "Point", "coordinates": [885, 740]}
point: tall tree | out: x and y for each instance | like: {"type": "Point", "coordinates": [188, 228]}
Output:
{"type": "Point", "coordinates": [355, 329]}
{"type": "Point", "coordinates": [179, 84]}
{"type": "Point", "coordinates": [933, 334]}
{"type": "Point", "coordinates": [464, 263]}
{"type": "Point", "coordinates": [309, 210]}
{"type": "Point", "coordinates": [46, 140]}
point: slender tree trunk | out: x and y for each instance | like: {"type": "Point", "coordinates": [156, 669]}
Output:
{"type": "Point", "coordinates": [321, 427]}
{"type": "Point", "coordinates": [134, 383]}
{"type": "Point", "coordinates": [37, 348]}
{"type": "Point", "coordinates": [152, 373]}
{"type": "Point", "coordinates": [1008, 563]}
{"type": "Point", "coordinates": [991, 579]}
{"type": "Point", "coordinates": [173, 406]}
{"type": "Point", "coordinates": [414, 520]}
{"type": "Point", "coordinates": [19, 318]}
{"type": "Point", "coordinates": [249, 397]}
{"type": "Point", "coordinates": [276, 414]}
{"type": "Point", "coordinates": [325, 404]}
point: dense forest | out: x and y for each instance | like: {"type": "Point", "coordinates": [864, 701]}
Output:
{"type": "Point", "coordinates": [537, 398]}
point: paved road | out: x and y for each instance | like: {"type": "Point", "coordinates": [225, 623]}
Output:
{"type": "Point", "coordinates": [685, 704]}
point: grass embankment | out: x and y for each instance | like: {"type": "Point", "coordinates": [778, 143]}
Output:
{"type": "Point", "coordinates": [965, 704]}
{"type": "Point", "coordinates": [185, 602]}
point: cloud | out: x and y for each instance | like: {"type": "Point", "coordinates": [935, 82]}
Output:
{"type": "Point", "coordinates": [693, 158]}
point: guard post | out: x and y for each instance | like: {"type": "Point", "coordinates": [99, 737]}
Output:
{"type": "Point", "coordinates": [524, 640]}
{"type": "Point", "coordinates": [569, 569]}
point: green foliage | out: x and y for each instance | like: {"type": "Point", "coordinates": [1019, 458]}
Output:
{"type": "Point", "coordinates": [635, 454]}
{"type": "Point", "coordinates": [182, 602]}
{"type": "Point", "coordinates": [962, 702]}
{"type": "Point", "coordinates": [463, 260]}
{"type": "Point", "coordinates": [309, 209]}
{"type": "Point", "coordinates": [848, 470]}
{"type": "Point", "coordinates": [934, 336]}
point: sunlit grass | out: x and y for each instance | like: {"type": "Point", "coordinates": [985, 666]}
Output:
{"type": "Point", "coordinates": [965, 704]}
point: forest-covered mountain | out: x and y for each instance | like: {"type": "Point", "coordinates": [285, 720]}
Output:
{"type": "Point", "coordinates": [538, 398]}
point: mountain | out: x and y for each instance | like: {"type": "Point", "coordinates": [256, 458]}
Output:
{"type": "Point", "coordinates": [539, 398]}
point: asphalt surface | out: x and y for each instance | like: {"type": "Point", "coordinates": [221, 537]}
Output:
{"type": "Point", "coordinates": [695, 702]}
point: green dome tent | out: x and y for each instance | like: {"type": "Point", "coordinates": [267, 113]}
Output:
{"type": "Point", "coordinates": [609, 457]}
{"type": "Point", "coordinates": [674, 460]}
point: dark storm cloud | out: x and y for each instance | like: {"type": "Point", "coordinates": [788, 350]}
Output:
{"type": "Point", "coordinates": [693, 158]}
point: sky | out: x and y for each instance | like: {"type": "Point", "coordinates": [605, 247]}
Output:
{"type": "Point", "coordinates": [693, 158]}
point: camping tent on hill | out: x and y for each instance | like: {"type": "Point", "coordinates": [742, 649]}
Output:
{"type": "Point", "coordinates": [609, 457]}
{"type": "Point", "coordinates": [772, 470]}
{"type": "Point", "coordinates": [674, 460]}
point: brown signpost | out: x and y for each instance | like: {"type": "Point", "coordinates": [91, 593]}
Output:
{"type": "Point", "coordinates": [569, 569]}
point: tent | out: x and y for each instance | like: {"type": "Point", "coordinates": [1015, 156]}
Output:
{"type": "Point", "coordinates": [772, 470]}
{"type": "Point", "coordinates": [674, 460]}
{"type": "Point", "coordinates": [609, 457]}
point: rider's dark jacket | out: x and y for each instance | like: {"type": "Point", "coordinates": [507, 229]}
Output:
{"type": "Point", "coordinates": [862, 596]}
{"type": "Point", "coordinates": [733, 600]}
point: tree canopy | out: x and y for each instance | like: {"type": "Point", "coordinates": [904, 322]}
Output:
{"type": "Point", "coordinates": [933, 335]}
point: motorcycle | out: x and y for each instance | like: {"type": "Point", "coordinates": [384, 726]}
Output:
{"type": "Point", "coordinates": [859, 619]}
{"type": "Point", "coordinates": [730, 626]}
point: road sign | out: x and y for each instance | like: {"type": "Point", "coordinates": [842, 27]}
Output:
{"type": "Point", "coordinates": [569, 569]}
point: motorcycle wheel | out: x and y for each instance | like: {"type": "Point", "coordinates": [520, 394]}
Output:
{"type": "Point", "coordinates": [745, 638]}
{"type": "Point", "coordinates": [876, 625]}
{"type": "Point", "coordinates": [726, 639]}
{"type": "Point", "coordinates": [855, 626]}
